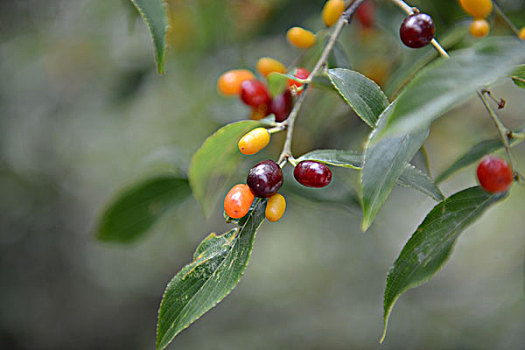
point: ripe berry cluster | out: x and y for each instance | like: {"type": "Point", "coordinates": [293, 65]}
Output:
{"type": "Point", "coordinates": [254, 92]}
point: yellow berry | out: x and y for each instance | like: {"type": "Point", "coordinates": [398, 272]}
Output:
{"type": "Point", "coordinates": [254, 141]}
{"type": "Point", "coordinates": [332, 10]}
{"type": "Point", "coordinates": [267, 65]}
{"type": "Point", "coordinates": [477, 8]}
{"type": "Point", "coordinates": [229, 83]}
{"type": "Point", "coordinates": [300, 37]}
{"type": "Point", "coordinates": [479, 28]}
{"type": "Point", "coordinates": [522, 33]}
{"type": "Point", "coordinates": [275, 207]}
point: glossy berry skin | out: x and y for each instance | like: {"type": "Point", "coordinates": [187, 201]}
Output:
{"type": "Point", "coordinates": [365, 14]}
{"type": "Point", "coordinates": [229, 83]}
{"type": "Point", "coordinates": [301, 73]}
{"type": "Point", "coordinates": [417, 30]}
{"type": "Point", "coordinates": [265, 178]}
{"type": "Point", "coordinates": [238, 201]}
{"type": "Point", "coordinates": [300, 37]}
{"type": "Point", "coordinates": [267, 65]}
{"type": "Point", "coordinates": [332, 10]}
{"type": "Point", "coordinates": [281, 106]}
{"type": "Point", "coordinates": [254, 141]}
{"type": "Point", "coordinates": [275, 207]}
{"type": "Point", "coordinates": [254, 93]}
{"type": "Point", "coordinates": [312, 174]}
{"type": "Point", "coordinates": [479, 28]}
{"type": "Point", "coordinates": [477, 8]}
{"type": "Point", "coordinates": [494, 174]}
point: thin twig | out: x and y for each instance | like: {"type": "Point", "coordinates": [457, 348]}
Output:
{"type": "Point", "coordinates": [508, 22]}
{"type": "Point", "coordinates": [321, 62]}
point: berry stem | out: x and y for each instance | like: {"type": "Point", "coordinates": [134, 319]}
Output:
{"type": "Point", "coordinates": [502, 129]}
{"type": "Point", "coordinates": [503, 16]}
{"type": "Point", "coordinates": [346, 17]}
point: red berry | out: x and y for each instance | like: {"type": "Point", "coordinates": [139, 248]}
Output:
{"type": "Point", "coordinates": [254, 93]}
{"type": "Point", "coordinates": [301, 73]}
{"type": "Point", "coordinates": [281, 106]}
{"type": "Point", "coordinates": [494, 174]}
{"type": "Point", "coordinates": [365, 14]}
{"type": "Point", "coordinates": [312, 174]}
{"type": "Point", "coordinates": [417, 30]}
{"type": "Point", "coordinates": [265, 178]}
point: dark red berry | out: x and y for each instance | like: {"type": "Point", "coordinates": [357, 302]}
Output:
{"type": "Point", "coordinates": [281, 106]}
{"type": "Point", "coordinates": [494, 174]}
{"type": "Point", "coordinates": [417, 30]}
{"type": "Point", "coordinates": [265, 178]}
{"type": "Point", "coordinates": [365, 14]}
{"type": "Point", "coordinates": [312, 174]}
{"type": "Point", "coordinates": [254, 93]}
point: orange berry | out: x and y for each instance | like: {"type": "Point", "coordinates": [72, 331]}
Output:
{"type": "Point", "coordinates": [254, 141]}
{"type": "Point", "coordinates": [522, 33]}
{"type": "Point", "coordinates": [477, 8]}
{"type": "Point", "coordinates": [259, 112]}
{"type": "Point", "coordinates": [332, 10]}
{"type": "Point", "coordinates": [479, 28]}
{"type": "Point", "coordinates": [238, 201]}
{"type": "Point", "coordinates": [267, 65]}
{"type": "Point", "coordinates": [275, 207]}
{"type": "Point", "coordinates": [300, 37]}
{"type": "Point", "coordinates": [229, 83]}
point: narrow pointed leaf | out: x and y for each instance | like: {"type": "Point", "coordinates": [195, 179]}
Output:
{"type": "Point", "coordinates": [215, 162]}
{"type": "Point", "coordinates": [137, 208]}
{"type": "Point", "coordinates": [362, 94]}
{"type": "Point", "coordinates": [473, 155]}
{"type": "Point", "coordinates": [410, 176]}
{"type": "Point", "coordinates": [277, 83]}
{"type": "Point", "coordinates": [154, 15]}
{"type": "Point", "coordinates": [218, 265]}
{"type": "Point", "coordinates": [430, 246]}
{"type": "Point", "coordinates": [518, 76]}
{"type": "Point", "coordinates": [447, 83]}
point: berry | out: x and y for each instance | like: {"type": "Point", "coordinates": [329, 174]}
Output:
{"type": "Point", "coordinates": [300, 37]}
{"type": "Point", "coordinates": [238, 201]}
{"type": "Point", "coordinates": [477, 8]}
{"type": "Point", "coordinates": [494, 174]}
{"type": "Point", "coordinates": [332, 10]}
{"type": "Point", "coordinates": [254, 93]}
{"type": "Point", "coordinates": [312, 174]}
{"type": "Point", "coordinates": [254, 141]}
{"type": "Point", "coordinates": [365, 14]}
{"type": "Point", "coordinates": [265, 178]}
{"type": "Point", "coordinates": [267, 65]}
{"type": "Point", "coordinates": [281, 106]}
{"type": "Point", "coordinates": [301, 73]}
{"type": "Point", "coordinates": [275, 207]}
{"type": "Point", "coordinates": [479, 28]}
{"type": "Point", "coordinates": [522, 33]}
{"type": "Point", "coordinates": [229, 83]}
{"type": "Point", "coordinates": [417, 30]}
{"type": "Point", "coordinates": [259, 112]}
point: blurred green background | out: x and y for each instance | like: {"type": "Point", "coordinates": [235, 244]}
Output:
{"type": "Point", "coordinates": [83, 113]}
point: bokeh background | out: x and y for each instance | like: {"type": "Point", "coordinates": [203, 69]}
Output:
{"type": "Point", "coordinates": [83, 113]}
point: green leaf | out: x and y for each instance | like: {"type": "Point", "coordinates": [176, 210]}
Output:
{"type": "Point", "coordinates": [154, 15]}
{"type": "Point", "coordinates": [385, 161]}
{"type": "Point", "coordinates": [218, 265]}
{"type": "Point", "coordinates": [430, 246]}
{"type": "Point", "coordinates": [410, 176]}
{"type": "Point", "coordinates": [338, 57]}
{"type": "Point", "coordinates": [362, 94]}
{"type": "Point", "coordinates": [277, 83]}
{"type": "Point", "coordinates": [216, 161]}
{"type": "Point", "coordinates": [447, 83]}
{"type": "Point", "coordinates": [134, 210]}
{"type": "Point", "coordinates": [518, 76]}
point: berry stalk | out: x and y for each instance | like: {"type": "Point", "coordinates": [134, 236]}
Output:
{"type": "Point", "coordinates": [286, 154]}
